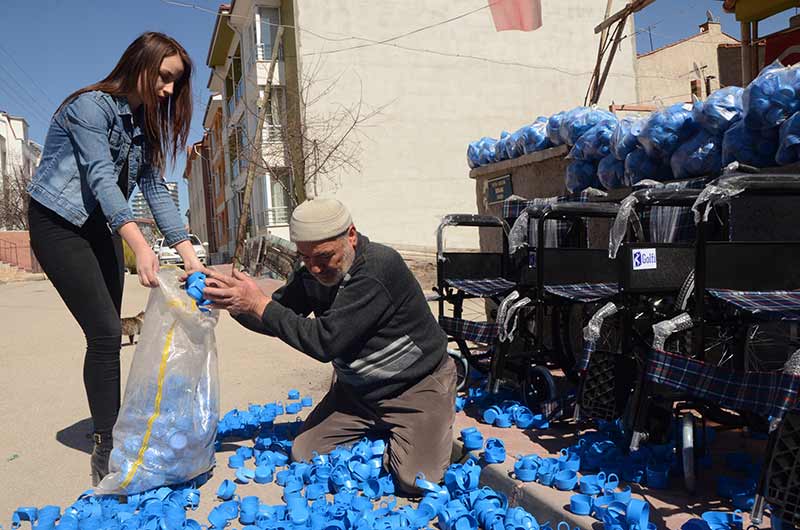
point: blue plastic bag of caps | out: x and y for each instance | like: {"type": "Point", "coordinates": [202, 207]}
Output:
{"type": "Point", "coordinates": [667, 129]}
{"type": "Point", "coordinates": [481, 152]}
{"type": "Point", "coordinates": [748, 146]}
{"type": "Point", "coordinates": [554, 128]}
{"type": "Point", "coordinates": [611, 173]}
{"type": "Point", "coordinates": [772, 97]}
{"type": "Point", "coordinates": [789, 137]}
{"type": "Point", "coordinates": [514, 146]}
{"type": "Point", "coordinates": [626, 136]}
{"type": "Point", "coordinates": [719, 111]}
{"type": "Point", "coordinates": [579, 120]}
{"type": "Point", "coordinates": [167, 424]}
{"type": "Point", "coordinates": [594, 144]}
{"type": "Point", "coordinates": [581, 174]}
{"type": "Point", "coordinates": [639, 166]}
{"type": "Point", "coordinates": [699, 155]}
{"type": "Point", "coordinates": [533, 138]}
{"type": "Point", "coordinates": [501, 152]}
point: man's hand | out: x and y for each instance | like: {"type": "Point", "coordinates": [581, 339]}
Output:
{"type": "Point", "coordinates": [238, 293]}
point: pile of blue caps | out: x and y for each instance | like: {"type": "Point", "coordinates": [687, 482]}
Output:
{"type": "Point", "coordinates": [347, 489]}
{"type": "Point", "coordinates": [499, 410]}
{"type": "Point", "coordinates": [758, 126]}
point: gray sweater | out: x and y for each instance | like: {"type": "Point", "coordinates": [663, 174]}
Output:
{"type": "Point", "coordinates": [375, 326]}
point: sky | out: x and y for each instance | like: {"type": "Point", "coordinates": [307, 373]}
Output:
{"type": "Point", "coordinates": [49, 48]}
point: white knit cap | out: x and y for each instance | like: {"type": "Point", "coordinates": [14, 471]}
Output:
{"type": "Point", "coordinates": [318, 220]}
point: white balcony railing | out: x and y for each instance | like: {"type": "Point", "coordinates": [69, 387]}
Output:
{"type": "Point", "coordinates": [274, 216]}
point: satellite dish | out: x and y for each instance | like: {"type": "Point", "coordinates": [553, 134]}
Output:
{"type": "Point", "coordinates": [709, 15]}
{"type": "Point", "coordinates": [697, 70]}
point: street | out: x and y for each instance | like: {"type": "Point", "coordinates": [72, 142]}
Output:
{"type": "Point", "coordinates": [44, 450]}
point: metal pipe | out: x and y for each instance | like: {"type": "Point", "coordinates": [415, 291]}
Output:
{"type": "Point", "coordinates": [746, 62]}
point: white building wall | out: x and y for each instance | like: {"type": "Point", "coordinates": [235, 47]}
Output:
{"type": "Point", "coordinates": [413, 154]}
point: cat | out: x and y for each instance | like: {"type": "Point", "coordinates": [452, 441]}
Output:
{"type": "Point", "coordinates": [132, 326]}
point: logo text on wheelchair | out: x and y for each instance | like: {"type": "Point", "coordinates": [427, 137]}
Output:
{"type": "Point", "coordinates": [644, 258]}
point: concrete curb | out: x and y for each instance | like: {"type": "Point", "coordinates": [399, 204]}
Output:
{"type": "Point", "coordinates": [546, 504]}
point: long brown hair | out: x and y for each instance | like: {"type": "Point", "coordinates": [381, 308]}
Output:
{"type": "Point", "coordinates": [166, 125]}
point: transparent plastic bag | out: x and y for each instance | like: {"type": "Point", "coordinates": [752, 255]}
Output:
{"type": "Point", "coordinates": [699, 155]}
{"type": "Point", "coordinates": [534, 138]}
{"type": "Point", "coordinates": [720, 110]}
{"type": "Point", "coordinates": [481, 152]}
{"type": "Point", "coordinates": [789, 145]}
{"type": "Point", "coordinates": [501, 152]}
{"type": "Point", "coordinates": [611, 173]}
{"type": "Point", "coordinates": [554, 128]}
{"type": "Point", "coordinates": [639, 166]}
{"type": "Point", "coordinates": [594, 143]}
{"type": "Point", "coordinates": [579, 120]}
{"type": "Point", "coordinates": [581, 174]}
{"type": "Point", "coordinates": [666, 130]}
{"type": "Point", "coordinates": [626, 136]}
{"type": "Point", "coordinates": [168, 421]}
{"type": "Point", "coordinates": [772, 97]}
{"type": "Point", "coordinates": [749, 146]}
{"type": "Point", "coordinates": [514, 145]}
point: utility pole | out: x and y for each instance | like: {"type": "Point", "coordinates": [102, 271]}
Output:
{"type": "Point", "coordinates": [255, 152]}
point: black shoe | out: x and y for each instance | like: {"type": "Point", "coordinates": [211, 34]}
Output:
{"type": "Point", "coordinates": [100, 454]}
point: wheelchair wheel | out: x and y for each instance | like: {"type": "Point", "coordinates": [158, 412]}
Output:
{"type": "Point", "coordinates": [687, 451]}
{"type": "Point", "coordinates": [462, 368]}
{"type": "Point", "coordinates": [538, 387]}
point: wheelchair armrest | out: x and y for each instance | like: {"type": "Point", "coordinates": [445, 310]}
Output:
{"type": "Point", "coordinates": [581, 209]}
{"type": "Point", "coordinates": [666, 197]}
{"type": "Point", "coordinates": [466, 219]}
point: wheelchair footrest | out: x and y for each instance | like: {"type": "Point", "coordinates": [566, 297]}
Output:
{"type": "Point", "coordinates": [598, 392]}
{"type": "Point", "coordinates": [783, 472]}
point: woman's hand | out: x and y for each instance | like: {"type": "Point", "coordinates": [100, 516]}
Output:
{"type": "Point", "coordinates": [146, 259]}
{"type": "Point", "coordinates": [147, 267]}
{"type": "Point", "coordinates": [191, 263]}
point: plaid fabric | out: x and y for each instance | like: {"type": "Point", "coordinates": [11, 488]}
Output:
{"type": "Point", "coordinates": [584, 292]}
{"type": "Point", "coordinates": [764, 393]}
{"type": "Point", "coordinates": [673, 224]}
{"type": "Point", "coordinates": [458, 328]}
{"type": "Point", "coordinates": [513, 206]}
{"type": "Point", "coordinates": [769, 305]}
{"type": "Point", "coordinates": [589, 347]}
{"type": "Point", "coordinates": [483, 288]}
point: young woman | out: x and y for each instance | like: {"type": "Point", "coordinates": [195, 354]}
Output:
{"type": "Point", "coordinates": [104, 139]}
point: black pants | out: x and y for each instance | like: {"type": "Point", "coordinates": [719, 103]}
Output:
{"type": "Point", "coordinates": [86, 266]}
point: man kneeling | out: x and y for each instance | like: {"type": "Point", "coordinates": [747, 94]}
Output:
{"type": "Point", "coordinates": [393, 377]}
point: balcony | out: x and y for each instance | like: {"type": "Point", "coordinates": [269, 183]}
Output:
{"type": "Point", "coordinates": [273, 216]}
{"type": "Point", "coordinates": [239, 93]}
{"type": "Point", "coordinates": [230, 105]}
{"type": "Point", "coordinates": [264, 52]}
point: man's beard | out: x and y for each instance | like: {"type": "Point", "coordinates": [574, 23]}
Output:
{"type": "Point", "coordinates": [347, 262]}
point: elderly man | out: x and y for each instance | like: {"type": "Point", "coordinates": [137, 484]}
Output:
{"type": "Point", "coordinates": [394, 378]}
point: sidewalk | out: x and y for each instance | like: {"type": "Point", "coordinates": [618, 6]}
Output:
{"type": "Point", "coordinates": [669, 508]}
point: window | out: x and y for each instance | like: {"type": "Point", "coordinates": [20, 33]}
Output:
{"type": "Point", "coordinates": [273, 125]}
{"type": "Point", "coordinates": [270, 20]}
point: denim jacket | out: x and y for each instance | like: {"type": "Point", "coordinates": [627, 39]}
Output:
{"type": "Point", "coordinates": [86, 148]}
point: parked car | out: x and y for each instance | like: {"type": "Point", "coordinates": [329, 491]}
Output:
{"type": "Point", "coordinates": [169, 256]}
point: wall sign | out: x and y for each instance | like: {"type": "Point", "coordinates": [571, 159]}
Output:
{"type": "Point", "coordinates": [499, 189]}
